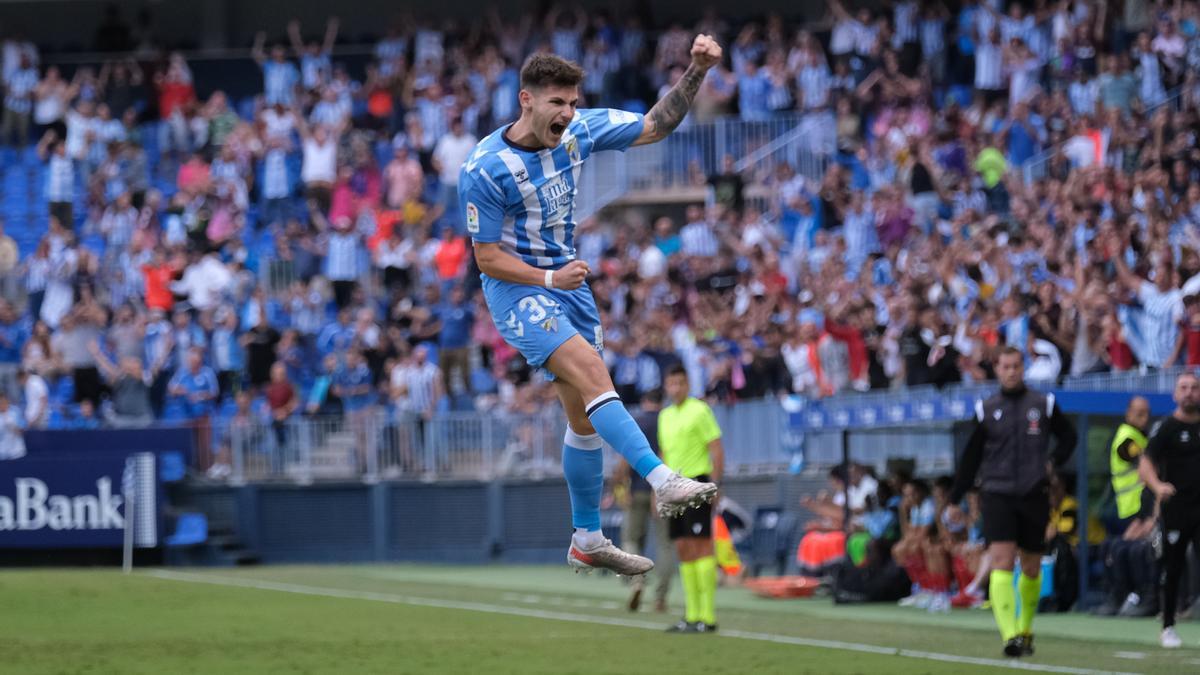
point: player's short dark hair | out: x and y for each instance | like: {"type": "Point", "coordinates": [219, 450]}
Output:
{"type": "Point", "coordinates": [654, 396]}
{"type": "Point", "coordinates": [1009, 350]}
{"type": "Point", "coordinates": [547, 70]}
{"type": "Point", "coordinates": [676, 369]}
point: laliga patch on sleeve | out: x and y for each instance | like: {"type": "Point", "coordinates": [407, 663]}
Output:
{"type": "Point", "coordinates": [621, 117]}
{"type": "Point", "coordinates": [472, 219]}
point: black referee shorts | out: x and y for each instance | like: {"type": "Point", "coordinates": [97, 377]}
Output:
{"type": "Point", "coordinates": [695, 522]}
{"type": "Point", "coordinates": [1018, 519]}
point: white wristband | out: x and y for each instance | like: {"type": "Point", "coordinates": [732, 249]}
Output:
{"type": "Point", "coordinates": [549, 283]}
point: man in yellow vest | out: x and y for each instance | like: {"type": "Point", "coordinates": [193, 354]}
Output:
{"type": "Point", "coordinates": [1128, 568]}
{"type": "Point", "coordinates": [691, 446]}
{"type": "Point", "coordinates": [1127, 447]}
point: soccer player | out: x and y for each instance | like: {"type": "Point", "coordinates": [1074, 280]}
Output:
{"type": "Point", "coordinates": [691, 445]}
{"type": "Point", "coordinates": [1009, 449]}
{"type": "Point", "coordinates": [517, 195]}
{"type": "Point", "coordinates": [1171, 469]}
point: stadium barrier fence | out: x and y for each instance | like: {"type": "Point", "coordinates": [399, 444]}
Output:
{"type": "Point", "coordinates": [378, 444]}
{"type": "Point", "coordinates": [762, 437]}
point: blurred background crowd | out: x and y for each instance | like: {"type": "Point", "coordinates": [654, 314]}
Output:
{"type": "Point", "coordinates": [991, 174]}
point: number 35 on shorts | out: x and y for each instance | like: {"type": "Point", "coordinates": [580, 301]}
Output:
{"type": "Point", "coordinates": [535, 310]}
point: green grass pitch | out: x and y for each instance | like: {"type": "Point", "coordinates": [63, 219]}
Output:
{"type": "Point", "coordinates": [490, 620]}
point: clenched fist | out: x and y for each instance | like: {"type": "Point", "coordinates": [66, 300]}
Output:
{"type": "Point", "coordinates": [571, 276]}
{"type": "Point", "coordinates": [706, 53]}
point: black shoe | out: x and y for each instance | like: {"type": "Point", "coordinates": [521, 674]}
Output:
{"type": "Point", "coordinates": [702, 627]}
{"type": "Point", "coordinates": [1014, 647]}
{"type": "Point", "coordinates": [1027, 644]}
{"type": "Point", "coordinates": [682, 627]}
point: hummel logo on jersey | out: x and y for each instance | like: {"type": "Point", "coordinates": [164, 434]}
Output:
{"type": "Point", "coordinates": [996, 415]}
{"type": "Point", "coordinates": [521, 176]}
{"type": "Point", "coordinates": [473, 160]}
{"type": "Point", "coordinates": [1185, 437]}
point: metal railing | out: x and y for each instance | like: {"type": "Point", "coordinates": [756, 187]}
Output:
{"type": "Point", "coordinates": [377, 444]}
{"type": "Point", "coordinates": [1035, 168]}
{"type": "Point", "coordinates": [695, 151]}
{"type": "Point", "coordinates": [1162, 380]}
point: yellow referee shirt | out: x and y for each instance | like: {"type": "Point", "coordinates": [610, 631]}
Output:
{"type": "Point", "coordinates": [684, 432]}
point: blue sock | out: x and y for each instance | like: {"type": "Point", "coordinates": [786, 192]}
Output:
{"type": "Point", "coordinates": [614, 424]}
{"type": "Point", "coordinates": [583, 465]}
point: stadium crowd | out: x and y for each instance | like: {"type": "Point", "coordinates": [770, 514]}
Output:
{"type": "Point", "coordinates": [181, 247]}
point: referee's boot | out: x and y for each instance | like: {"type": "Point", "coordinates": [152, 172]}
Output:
{"type": "Point", "coordinates": [679, 494]}
{"type": "Point", "coordinates": [1015, 647]}
{"type": "Point", "coordinates": [1027, 644]}
{"type": "Point", "coordinates": [683, 626]}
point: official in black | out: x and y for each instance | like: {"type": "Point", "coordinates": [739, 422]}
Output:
{"type": "Point", "coordinates": [1171, 470]}
{"type": "Point", "coordinates": [1009, 454]}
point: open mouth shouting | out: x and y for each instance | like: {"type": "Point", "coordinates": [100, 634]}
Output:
{"type": "Point", "coordinates": [557, 128]}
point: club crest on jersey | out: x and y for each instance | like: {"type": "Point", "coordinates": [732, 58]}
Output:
{"type": "Point", "coordinates": [997, 415]}
{"type": "Point", "coordinates": [1184, 437]}
{"type": "Point", "coordinates": [573, 149]}
{"type": "Point", "coordinates": [472, 218]}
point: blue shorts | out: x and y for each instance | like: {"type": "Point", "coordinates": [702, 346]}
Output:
{"type": "Point", "coordinates": [536, 320]}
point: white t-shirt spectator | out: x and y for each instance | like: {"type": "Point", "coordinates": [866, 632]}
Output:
{"type": "Point", "coordinates": [859, 494]}
{"type": "Point", "coordinates": [204, 283]}
{"type": "Point", "coordinates": [78, 127]}
{"type": "Point", "coordinates": [989, 67]}
{"type": "Point", "coordinates": [37, 402]}
{"type": "Point", "coordinates": [844, 37]}
{"type": "Point", "coordinates": [1081, 151]}
{"type": "Point", "coordinates": [1023, 83]}
{"type": "Point", "coordinates": [1045, 363]}
{"type": "Point", "coordinates": [450, 152]}
{"type": "Point", "coordinates": [394, 254]}
{"type": "Point", "coordinates": [320, 161]}
{"type": "Point", "coordinates": [278, 125]}
{"type": "Point", "coordinates": [12, 441]}
{"type": "Point", "coordinates": [60, 179]}
{"type": "Point", "coordinates": [652, 263]}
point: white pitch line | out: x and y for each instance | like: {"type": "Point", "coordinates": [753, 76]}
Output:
{"type": "Point", "coordinates": [348, 594]}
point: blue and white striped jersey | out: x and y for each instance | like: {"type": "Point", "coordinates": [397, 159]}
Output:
{"type": "Point", "coordinates": [524, 199]}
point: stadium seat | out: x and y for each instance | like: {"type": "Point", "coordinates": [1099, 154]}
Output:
{"type": "Point", "coordinates": [171, 466]}
{"type": "Point", "coordinates": [190, 529]}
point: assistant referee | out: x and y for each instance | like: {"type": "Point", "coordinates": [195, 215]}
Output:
{"type": "Point", "coordinates": [691, 446]}
{"type": "Point", "coordinates": [1171, 470]}
{"type": "Point", "coordinates": [1008, 452]}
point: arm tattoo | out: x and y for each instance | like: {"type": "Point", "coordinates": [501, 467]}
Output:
{"type": "Point", "coordinates": [670, 111]}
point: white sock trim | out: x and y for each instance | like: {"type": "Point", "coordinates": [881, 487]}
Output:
{"type": "Point", "coordinates": [589, 442]}
{"type": "Point", "coordinates": [659, 475]}
{"type": "Point", "coordinates": [587, 540]}
{"type": "Point", "coordinates": [601, 400]}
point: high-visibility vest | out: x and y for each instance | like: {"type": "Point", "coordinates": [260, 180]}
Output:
{"type": "Point", "coordinates": [1125, 481]}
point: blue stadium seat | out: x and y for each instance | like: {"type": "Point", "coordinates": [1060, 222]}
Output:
{"type": "Point", "coordinates": [171, 467]}
{"type": "Point", "coordinates": [191, 529]}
